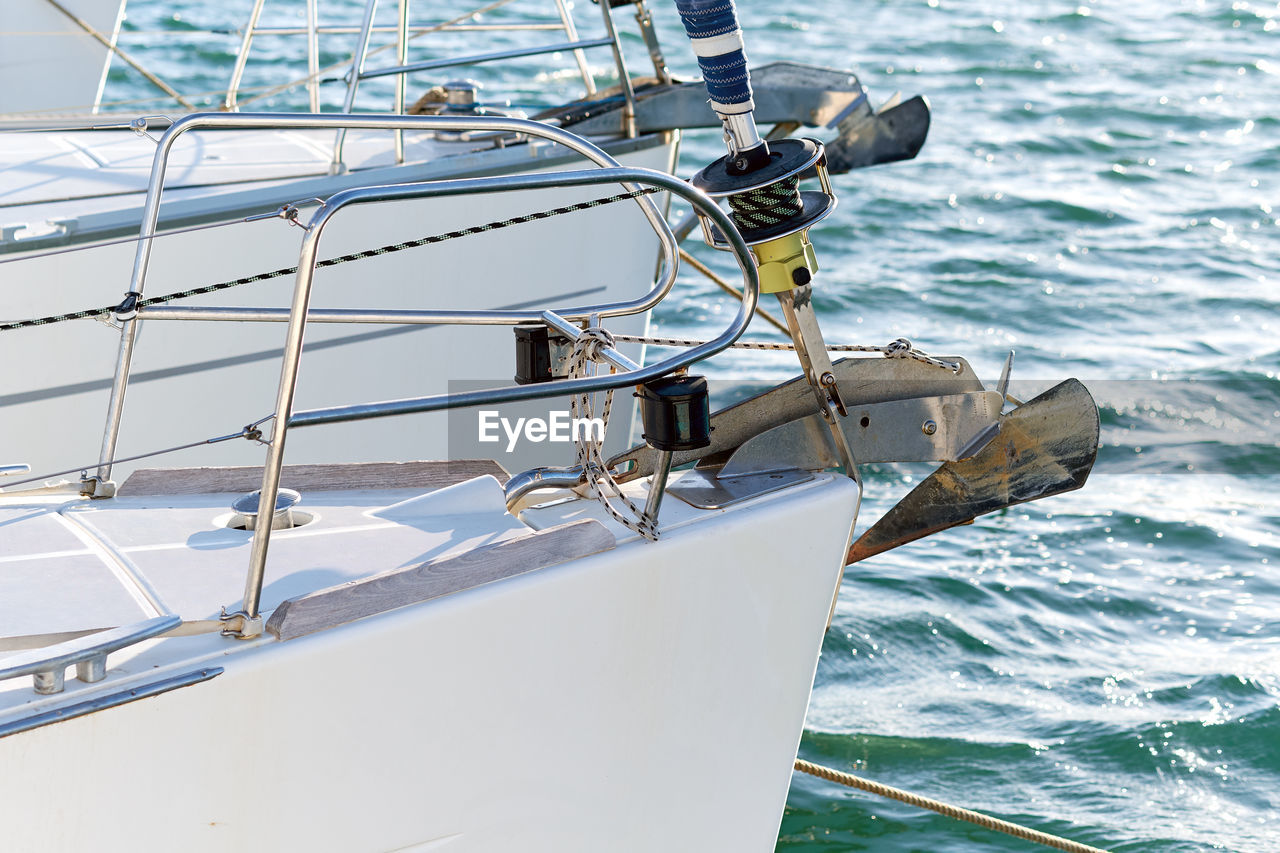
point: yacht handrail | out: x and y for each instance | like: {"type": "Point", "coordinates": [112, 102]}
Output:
{"type": "Point", "coordinates": [514, 393]}
{"type": "Point", "coordinates": [295, 121]}
{"type": "Point", "coordinates": [402, 67]}
{"type": "Point", "coordinates": [314, 29]}
{"type": "Point", "coordinates": [284, 417]}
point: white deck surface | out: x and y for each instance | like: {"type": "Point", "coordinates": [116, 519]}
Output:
{"type": "Point", "coordinates": [55, 174]}
{"type": "Point", "coordinates": [72, 567]}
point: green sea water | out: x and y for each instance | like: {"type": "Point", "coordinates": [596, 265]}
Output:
{"type": "Point", "coordinates": [1097, 194]}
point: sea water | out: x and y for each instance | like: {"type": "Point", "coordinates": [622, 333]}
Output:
{"type": "Point", "coordinates": [1097, 193]}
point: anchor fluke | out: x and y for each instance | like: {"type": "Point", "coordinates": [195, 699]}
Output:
{"type": "Point", "coordinates": [1045, 447]}
{"type": "Point", "coordinates": [892, 134]}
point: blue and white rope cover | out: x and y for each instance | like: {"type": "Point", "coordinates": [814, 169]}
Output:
{"type": "Point", "coordinates": [713, 29]}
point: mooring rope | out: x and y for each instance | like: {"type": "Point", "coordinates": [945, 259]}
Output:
{"type": "Point", "coordinates": [1026, 833]}
{"type": "Point", "coordinates": [598, 479]}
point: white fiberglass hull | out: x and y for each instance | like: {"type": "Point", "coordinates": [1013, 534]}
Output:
{"type": "Point", "coordinates": [649, 697]}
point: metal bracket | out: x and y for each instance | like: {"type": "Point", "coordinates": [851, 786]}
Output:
{"type": "Point", "coordinates": [862, 381]}
{"type": "Point", "coordinates": [797, 308]}
{"type": "Point", "coordinates": [241, 625]}
{"type": "Point", "coordinates": [128, 307]}
{"type": "Point", "coordinates": [97, 487]}
{"type": "Point", "coordinates": [924, 429]}
{"type": "Point", "coordinates": [89, 654]}
{"type": "Point", "coordinates": [782, 91]}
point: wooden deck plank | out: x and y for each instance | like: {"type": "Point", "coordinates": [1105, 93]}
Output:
{"type": "Point", "coordinates": [390, 590]}
{"type": "Point", "coordinates": [352, 475]}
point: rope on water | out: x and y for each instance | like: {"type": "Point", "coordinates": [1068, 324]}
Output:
{"type": "Point", "coordinates": [986, 821]}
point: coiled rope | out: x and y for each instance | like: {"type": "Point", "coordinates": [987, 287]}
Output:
{"type": "Point", "coordinates": [767, 206]}
{"type": "Point", "coordinates": [1026, 833]}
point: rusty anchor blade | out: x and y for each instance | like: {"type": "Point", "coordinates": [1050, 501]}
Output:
{"type": "Point", "coordinates": [1045, 447]}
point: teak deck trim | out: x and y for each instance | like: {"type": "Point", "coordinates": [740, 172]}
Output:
{"type": "Point", "coordinates": [390, 590]}
{"type": "Point", "coordinates": [352, 475]}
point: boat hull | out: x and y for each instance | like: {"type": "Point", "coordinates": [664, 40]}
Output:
{"type": "Point", "coordinates": [648, 697]}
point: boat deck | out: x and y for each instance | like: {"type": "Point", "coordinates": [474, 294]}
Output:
{"type": "Point", "coordinates": [61, 186]}
{"type": "Point", "coordinates": [72, 566]}
{"type": "Point", "coordinates": [373, 537]}
{"type": "Point", "coordinates": [538, 667]}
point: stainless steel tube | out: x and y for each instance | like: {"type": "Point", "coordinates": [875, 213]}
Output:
{"type": "Point", "coordinates": [624, 79]}
{"type": "Point", "coordinates": [313, 58]}
{"type": "Point", "coordinates": [573, 333]}
{"type": "Point", "coordinates": [571, 33]}
{"type": "Point", "coordinates": [353, 80]}
{"type": "Point", "coordinates": [242, 57]}
{"type": "Point", "coordinates": [286, 121]}
{"type": "Point", "coordinates": [750, 297]}
{"type": "Point", "coordinates": [477, 58]}
{"type": "Point", "coordinates": [402, 56]}
{"type": "Point", "coordinates": [284, 417]}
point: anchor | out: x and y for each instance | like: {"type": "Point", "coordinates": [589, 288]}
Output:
{"type": "Point", "coordinates": [901, 408]}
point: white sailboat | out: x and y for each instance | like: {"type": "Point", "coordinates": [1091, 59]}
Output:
{"type": "Point", "coordinates": [611, 654]}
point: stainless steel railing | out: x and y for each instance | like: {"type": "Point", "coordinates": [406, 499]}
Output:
{"type": "Point", "coordinates": [358, 71]}
{"type": "Point", "coordinates": [404, 31]}
{"type": "Point", "coordinates": [278, 121]}
{"type": "Point", "coordinates": [247, 622]}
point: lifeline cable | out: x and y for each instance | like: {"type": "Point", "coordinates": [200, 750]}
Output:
{"type": "Point", "coordinates": [342, 259]}
{"type": "Point", "coordinates": [247, 432]}
{"type": "Point", "coordinates": [900, 348]}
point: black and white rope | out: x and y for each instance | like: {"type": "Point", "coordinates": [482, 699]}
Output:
{"type": "Point", "coordinates": [767, 206]}
{"type": "Point", "coordinates": [132, 303]}
{"type": "Point", "coordinates": [599, 481]}
{"type": "Point", "coordinates": [900, 348]}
